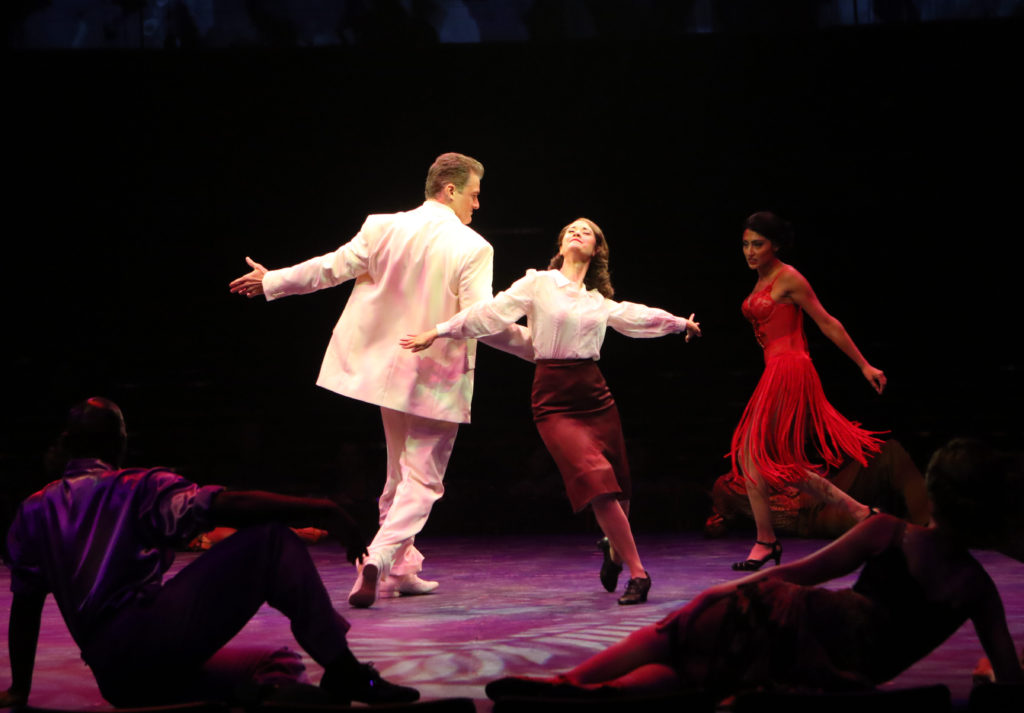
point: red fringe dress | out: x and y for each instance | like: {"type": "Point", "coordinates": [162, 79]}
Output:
{"type": "Point", "coordinates": [788, 416]}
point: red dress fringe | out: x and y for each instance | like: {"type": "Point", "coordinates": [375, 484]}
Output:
{"type": "Point", "coordinates": [788, 417]}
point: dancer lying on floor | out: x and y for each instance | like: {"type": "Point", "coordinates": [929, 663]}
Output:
{"type": "Point", "coordinates": [774, 629]}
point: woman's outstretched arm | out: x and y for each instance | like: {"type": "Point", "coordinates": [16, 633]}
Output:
{"type": "Point", "coordinates": [796, 287]}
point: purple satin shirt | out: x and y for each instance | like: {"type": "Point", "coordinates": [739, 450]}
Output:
{"type": "Point", "coordinates": [99, 537]}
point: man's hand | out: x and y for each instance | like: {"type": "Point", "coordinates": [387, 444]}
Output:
{"type": "Point", "coordinates": [692, 328]}
{"type": "Point", "coordinates": [250, 284]}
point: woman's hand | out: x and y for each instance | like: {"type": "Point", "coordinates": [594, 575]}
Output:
{"type": "Point", "coordinates": [692, 328]}
{"type": "Point", "coordinates": [875, 377]}
{"type": "Point", "coordinates": [418, 342]}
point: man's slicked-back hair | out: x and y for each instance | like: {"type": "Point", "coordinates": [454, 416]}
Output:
{"type": "Point", "coordinates": [454, 168]}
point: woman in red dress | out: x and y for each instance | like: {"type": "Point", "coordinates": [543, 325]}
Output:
{"type": "Point", "coordinates": [788, 420]}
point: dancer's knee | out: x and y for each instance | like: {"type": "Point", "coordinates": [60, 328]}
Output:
{"type": "Point", "coordinates": [268, 542]}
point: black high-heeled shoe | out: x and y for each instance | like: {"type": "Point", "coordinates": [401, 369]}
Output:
{"type": "Point", "coordinates": [610, 569]}
{"type": "Point", "coordinates": [752, 565]}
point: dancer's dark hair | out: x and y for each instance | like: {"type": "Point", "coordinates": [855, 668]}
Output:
{"type": "Point", "coordinates": [95, 429]}
{"type": "Point", "coordinates": [772, 227]}
{"type": "Point", "coordinates": [976, 492]}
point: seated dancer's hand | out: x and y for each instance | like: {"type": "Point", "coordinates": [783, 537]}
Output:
{"type": "Point", "coordinates": [692, 328]}
{"type": "Point", "coordinates": [983, 672]}
{"type": "Point", "coordinates": [355, 552]}
{"type": "Point", "coordinates": [418, 342]}
{"type": "Point", "coordinates": [347, 532]}
{"type": "Point", "coordinates": [11, 699]}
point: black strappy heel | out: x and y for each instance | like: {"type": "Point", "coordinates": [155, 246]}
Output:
{"type": "Point", "coordinates": [752, 565]}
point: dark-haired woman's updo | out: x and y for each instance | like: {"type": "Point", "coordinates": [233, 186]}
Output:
{"type": "Point", "coordinates": [772, 227]}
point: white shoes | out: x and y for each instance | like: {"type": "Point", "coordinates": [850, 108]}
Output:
{"type": "Point", "coordinates": [370, 584]}
{"type": "Point", "coordinates": [364, 591]}
{"type": "Point", "coordinates": [405, 585]}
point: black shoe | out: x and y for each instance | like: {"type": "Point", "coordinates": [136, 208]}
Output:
{"type": "Point", "coordinates": [752, 565]}
{"type": "Point", "coordinates": [610, 569]}
{"type": "Point", "coordinates": [366, 686]}
{"type": "Point", "coordinates": [636, 590]}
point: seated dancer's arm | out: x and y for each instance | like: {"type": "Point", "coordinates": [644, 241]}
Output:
{"type": "Point", "coordinates": [22, 639]}
{"type": "Point", "coordinates": [836, 559]}
{"type": "Point", "coordinates": [989, 619]}
{"type": "Point", "coordinates": [841, 556]}
{"type": "Point", "coordinates": [242, 508]}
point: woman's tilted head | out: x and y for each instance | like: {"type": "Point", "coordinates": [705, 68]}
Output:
{"type": "Point", "coordinates": [597, 277]}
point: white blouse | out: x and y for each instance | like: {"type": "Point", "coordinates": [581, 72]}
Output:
{"type": "Point", "coordinates": [567, 322]}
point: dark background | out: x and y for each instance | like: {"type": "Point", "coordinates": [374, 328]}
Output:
{"type": "Point", "coordinates": [138, 181]}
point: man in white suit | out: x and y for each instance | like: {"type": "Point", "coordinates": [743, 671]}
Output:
{"type": "Point", "coordinates": [412, 270]}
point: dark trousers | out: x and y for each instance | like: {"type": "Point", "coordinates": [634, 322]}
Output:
{"type": "Point", "coordinates": [168, 647]}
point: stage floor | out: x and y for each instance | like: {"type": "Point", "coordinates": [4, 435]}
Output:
{"type": "Point", "coordinates": [509, 605]}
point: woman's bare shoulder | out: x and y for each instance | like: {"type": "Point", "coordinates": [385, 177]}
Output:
{"type": "Point", "coordinates": [789, 277]}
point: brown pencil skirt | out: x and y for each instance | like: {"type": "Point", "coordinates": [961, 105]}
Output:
{"type": "Point", "coordinates": [579, 423]}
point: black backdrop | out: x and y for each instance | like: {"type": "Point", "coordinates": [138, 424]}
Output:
{"type": "Point", "coordinates": [138, 181]}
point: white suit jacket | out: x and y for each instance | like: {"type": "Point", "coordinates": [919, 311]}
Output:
{"type": "Point", "coordinates": [412, 270]}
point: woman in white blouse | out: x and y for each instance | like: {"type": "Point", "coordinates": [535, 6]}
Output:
{"type": "Point", "coordinates": [568, 308]}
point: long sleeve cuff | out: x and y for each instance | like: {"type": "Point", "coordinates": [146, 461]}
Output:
{"type": "Point", "coordinates": [444, 329]}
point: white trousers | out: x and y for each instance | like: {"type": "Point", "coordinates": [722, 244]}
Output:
{"type": "Point", "coordinates": [418, 453]}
